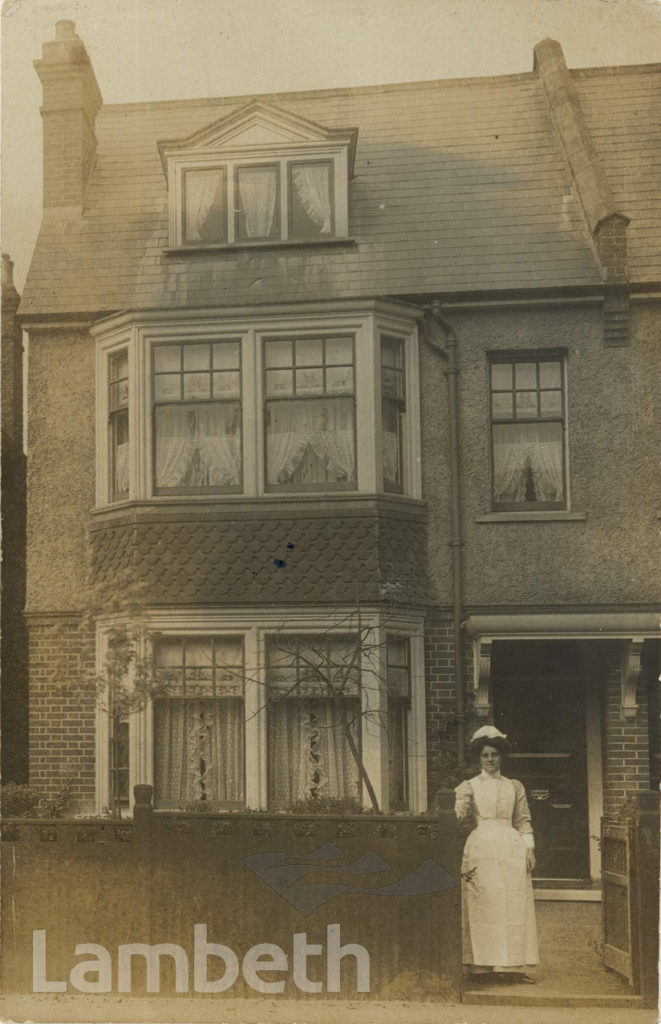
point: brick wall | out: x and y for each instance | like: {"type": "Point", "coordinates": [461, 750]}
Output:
{"type": "Point", "coordinates": [441, 701]}
{"type": "Point", "coordinates": [625, 742]}
{"type": "Point", "coordinates": [62, 709]}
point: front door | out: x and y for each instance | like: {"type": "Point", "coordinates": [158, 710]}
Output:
{"type": "Point", "coordinates": [539, 699]}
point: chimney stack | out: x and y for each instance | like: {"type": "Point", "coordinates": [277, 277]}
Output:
{"type": "Point", "coordinates": [71, 99]}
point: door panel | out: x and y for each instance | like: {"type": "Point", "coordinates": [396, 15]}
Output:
{"type": "Point", "coordinates": [539, 698]}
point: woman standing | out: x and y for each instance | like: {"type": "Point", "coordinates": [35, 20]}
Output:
{"type": "Point", "coordinates": [499, 931]}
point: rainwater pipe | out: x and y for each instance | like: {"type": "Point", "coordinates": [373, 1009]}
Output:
{"type": "Point", "coordinates": [440, 337]}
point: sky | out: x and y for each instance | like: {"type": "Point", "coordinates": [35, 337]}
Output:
{"type": "Point", "coordinates": [182, 49]}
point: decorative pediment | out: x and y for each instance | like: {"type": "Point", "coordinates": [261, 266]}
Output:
{"type": "Point", "coordinates": [258, 126]}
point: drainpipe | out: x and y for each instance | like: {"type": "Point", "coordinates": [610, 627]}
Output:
{"type": "Point", "coordinates": [432, 321]}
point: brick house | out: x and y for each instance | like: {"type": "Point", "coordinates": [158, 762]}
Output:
{"type": "Point", "coordinates": [244, 315]}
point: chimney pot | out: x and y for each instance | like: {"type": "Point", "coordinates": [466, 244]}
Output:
{"type": "Point", "coordinates": [65, 29]}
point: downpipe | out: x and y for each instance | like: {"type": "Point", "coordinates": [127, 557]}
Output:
{"type": "Point", "coordinates": [441, 338]}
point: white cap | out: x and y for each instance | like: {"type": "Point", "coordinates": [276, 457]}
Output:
{"type": "Point", "coordinates": [490, 732]}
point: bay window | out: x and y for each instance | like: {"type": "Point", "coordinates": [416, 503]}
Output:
{"type": "Point", "coordinates": [272, 711]}
{"type": "Point", "coordinates": [221, 408]}
{"type": "Point", "coordinates": [528, 427]}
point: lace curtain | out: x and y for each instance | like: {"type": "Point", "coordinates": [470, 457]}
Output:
{"type": "Point", "coordinates": [309, 752]}
{"type": "Point", "coordinates": [205, 202]}
{"type": "Point", "coordinates": [311, 183]}
{"type": "Point", "coordinates": [324, 429]}
{"type": "Point", "coordinates": [198, 748]}
{"type": "Point", "coordinates": [198, 446]}
{"type": "Point", "coordinates": [121, 469]}
{"type": "Point", "coordinates": [257, 195]}
{"type": "Point", "coordinates": [527, 461]}
{"type": "Point", "coordinates": [390, 442]}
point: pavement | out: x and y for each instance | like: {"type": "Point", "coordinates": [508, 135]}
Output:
{"type": "Point", "coordinates": [85, 1009]}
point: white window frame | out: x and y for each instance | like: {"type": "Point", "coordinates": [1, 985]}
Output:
{"type": "Point", "coordinates": [272, 155]}
{"type": "Point", "coordinates": [366, 322]}
{"type": "Point", "coordinates": [256, 626]}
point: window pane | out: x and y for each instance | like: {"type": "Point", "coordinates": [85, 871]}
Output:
{"type": "Point", "coordinates": [308, 352]}
{"type": "Point", "coordinates": [279, 382]}
{"type": "Point", "coordinates": [309, 381]}
{"type": "Point", "coordinates": [198, 652]}
{"type": "Point", "coordinates": [167, 358]}
{"type": "Point", "coordinates": [501, 376]}
{"type": "Point", "coordinates": [310, 442]}
{"type": "Point", "coordinates": [196, 357]}
{"type": "Point", "coordinates": [205, 206]}
{"type": "Point", "coordinates": [310, 200]}
{"type": "Point", "coordinates": [167, 388]}
{"type": "Point", "coordinates": [226, 355]}
{"type": "Point", "coordinates": [526, 404]}
{"type": "Point", "coordinates": [169, 653]}
{"type": "Point", "coordinates": [528, 463]}
{"type": "Point", "coordinates": [392, 352]}
{"type": "Point", "coordinates": [397, 754]}
{"type": "Point", "coordinates": [197, 385]}
{"type": "Point", "coordinates": [550, 375]}
{"type": "Point", "coordinates": [119, 455]}
{"type": "Point", "coordinates": [257, 195]}
{"type": "Point", "coordinates": [501, 405]}
{"type": "Point", "coordinates": [392, 383]}
{"type": "Point", "coordinates": [339, 380]}
{"type": "Point", "coordinates": [278, 353]}
{"type": "Point", "coordinates": [391, 438]}
{"type": "Point", "coordinates": [198, 752]}
{"type": "Point", "coordinates": [119, 365]}
{"type": "Point", "coordinates": [525, 375]}
{"type": "Point", "coordinates": [551, 403]}
{"type": "Point", "coordinates": [226, 385]}
{"type": "Point", "coordinates": [339, 350]}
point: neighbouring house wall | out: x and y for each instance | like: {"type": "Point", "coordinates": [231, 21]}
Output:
{"type": "Point", "coordinates": [614, 429]}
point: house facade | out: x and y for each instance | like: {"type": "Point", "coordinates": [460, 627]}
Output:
{"type": "Point", "coordinates": [349, 400]}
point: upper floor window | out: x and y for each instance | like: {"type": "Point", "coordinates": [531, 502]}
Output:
{"type": "Point", "coordinates": [200, 408]}
{"type": "Point", "coordinates": [310, 413]}
{"type": "Point", "coordinates": [197, 417]}
{"type": "Point", "coordinates": [528, 428]}
{"type": "Point", "coordinates": [118, 425]}
{"type": "Point", "coordinates": [259, 176]}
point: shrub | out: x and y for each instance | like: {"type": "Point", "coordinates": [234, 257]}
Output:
{"type": "Point", "coordinates": [19, 801]}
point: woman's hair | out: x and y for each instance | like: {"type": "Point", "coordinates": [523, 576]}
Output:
{"type": "Point", "coordinates": [502, 745]}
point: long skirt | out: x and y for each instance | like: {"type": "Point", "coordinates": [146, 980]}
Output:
{"type": "Point", "coordinates": [499, 928]}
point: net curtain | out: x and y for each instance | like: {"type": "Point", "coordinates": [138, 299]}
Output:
{"type": "Point", "coordinates": [198, 750]}
{"type": "Point", "coordinates": [310, 755]}
{"type": "Point", "coordinates": [527, 450]}
{"type": "Point", "coordinates": [325, 429]}
{"type": "Point", "coordinates": [197, 446]}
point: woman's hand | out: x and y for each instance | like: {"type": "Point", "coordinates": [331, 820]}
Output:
{"type": "Point", "coordinates": [530, 860]}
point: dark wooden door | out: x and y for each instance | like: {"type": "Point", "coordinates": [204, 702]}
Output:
{"type": "Point", "coordinates": [539, 697]}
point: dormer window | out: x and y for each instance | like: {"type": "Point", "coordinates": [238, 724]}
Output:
{"type": "Point", "coordinates": [259, 177]}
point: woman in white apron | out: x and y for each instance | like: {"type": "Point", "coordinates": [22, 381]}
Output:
{"type": "Point", "coordinates": [499, 931]}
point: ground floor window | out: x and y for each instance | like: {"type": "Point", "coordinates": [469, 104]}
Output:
{"type": "Point", "coordinates": [281, 715]}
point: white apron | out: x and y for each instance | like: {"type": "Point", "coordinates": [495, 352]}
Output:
{"type": "Point", "coordinates": [497, 898]}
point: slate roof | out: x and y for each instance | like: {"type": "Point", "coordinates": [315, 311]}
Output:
{"type": "Point", "coordinates": [460, 186]}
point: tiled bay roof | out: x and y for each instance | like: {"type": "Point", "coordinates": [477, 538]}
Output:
{"type": "Point", "coordinates": [460, 186]}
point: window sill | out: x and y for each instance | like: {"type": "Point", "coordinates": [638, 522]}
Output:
{"type": "Point", "coordinates": [315, 243]}
{"type": "Point", "coordinates": [551, 516]}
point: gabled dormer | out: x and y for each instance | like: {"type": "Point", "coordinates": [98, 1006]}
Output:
{"type": "Point", "coordinates": [260, 176]}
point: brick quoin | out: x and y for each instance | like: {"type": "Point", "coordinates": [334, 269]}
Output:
{"type": "Point", "coordinates": [626, 741]}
